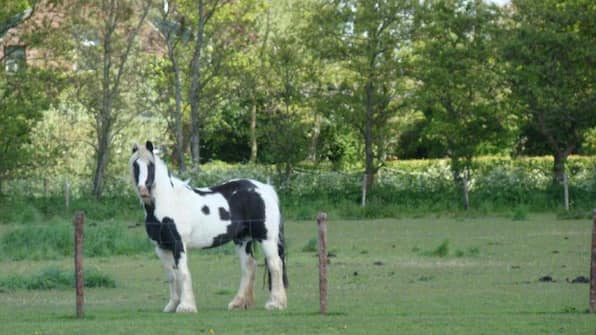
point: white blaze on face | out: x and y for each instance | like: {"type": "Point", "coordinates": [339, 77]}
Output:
{"type": "Point", "coordinates": [142, 180]}
{"type": "Point", "coordinates": [143, 172]}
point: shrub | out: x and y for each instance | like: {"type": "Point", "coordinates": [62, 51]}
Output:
{"type": "Point", "coordinates": [311, 246]}
{"type": "Point", "coordinates": [402, 187]}
{"type": "Point", "coordinates": [520, 213]}
{"type": "Point", "coordinates": [442, 250]}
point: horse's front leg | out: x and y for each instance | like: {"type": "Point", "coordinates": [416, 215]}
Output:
{"type": "Point", "coordinates": [184, 285]}
{"type": "Point", "coordinates": [167, 259]}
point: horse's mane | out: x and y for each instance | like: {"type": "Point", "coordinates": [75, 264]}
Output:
{"type": "Point", "coordinates": [179, 182]}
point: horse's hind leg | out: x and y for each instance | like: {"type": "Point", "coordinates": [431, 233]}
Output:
{"type": "Point", "coordinates": [167, 259]}
{"type": "Point", "coordinates": [245, 296]}
{"type": "Point", "coordinates": [278, 299]}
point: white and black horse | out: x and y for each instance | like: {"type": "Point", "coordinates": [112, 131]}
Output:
{"type": "Point", "coordinates": [178, 217]}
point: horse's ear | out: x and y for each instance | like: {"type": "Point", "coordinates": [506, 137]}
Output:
{"type": "Point", "coordinates": [149, 146]}
{"type": "Point", "coordinates": [135, 148]}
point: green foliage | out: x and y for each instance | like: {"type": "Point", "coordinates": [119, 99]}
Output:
{"type": "Point", "coordinates": [365, 52]}
{"type": "Point", "coordinates": [51, 278]}
{"type": "Point", "coordinates": [589, 144]}
{"type": "Point", "coordinates": [311, 245]}
{"type": "Point", "coordinates": [330, 81]}
{"type": "Point", "coordinates": [9, 10]}
{"type": "Point", "coordinates": [23, 96]}
{"type": "Point", "coordinates": [550, 52]}
{"type": "Point", "coordinates": [515, 187]}
{"type": "Point", "coordinates": [520, 213]}
{"type": "Point", "coordinates": [442, 250]}
{"type": "Point", "coordinates": [460, 90]}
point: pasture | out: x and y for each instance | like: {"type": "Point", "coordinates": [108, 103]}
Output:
{"type": "Point", "coordinates": [431, 275]}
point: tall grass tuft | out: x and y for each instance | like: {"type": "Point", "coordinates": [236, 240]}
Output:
{"type": "Point", "coordinates": [310, 246]}
{"type": "Point", "coordinates": [520, 213]}
{"type": "Point", "coordinates": [442, 250]}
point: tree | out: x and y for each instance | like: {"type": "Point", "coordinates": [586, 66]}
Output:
{"type": "Point", "coordinates": [23, 97]}
{"type": "Point", "coordinates": [459, 84]}
{"type": "Point", "coordinates": [366, 40]}
{"type": "Point", "coordinates": [285, 126]}
{"type": "Point", "coordinates": [105, 42]}
{"type": "Point", "coordinates": [24, 93]}
{"type": "Point", "coordinates": [13, 12]}
{"type": "Point", "coordinates": [550, 50]}
{"type": "Point", "coordinates": [175, 30]}
{"type": "Point", "coordinates": [251, 73]}
{"type": "Point", "coordinates": [217, 30]}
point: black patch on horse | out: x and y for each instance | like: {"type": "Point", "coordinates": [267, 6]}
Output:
{"type": "Point", "coordinates": [150, 175]}
{"type": "Point", "coordinates": [135, 169]}
{"type": "Point", "coordinates": [164, 233]}
{"type": "Point", "coordinates": [247, 212]}
{"type": "Point", "coordinates": [227, 190]}
{"type": "Point", "coordinates": [205, 210]}
{"type": "Point", "coordinates": [224, 215]}
{"type": "Point", "coordinates": [249, 248]}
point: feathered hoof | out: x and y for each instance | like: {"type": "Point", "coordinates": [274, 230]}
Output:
{"type": "Point", "coordinates": [241, 303]}
{"type": "Point", "coordinates": [275, 305]}
{"type": "Point", "coordinates": [170, 307]}
{"type": "Point", "coordinates": [186, 308]}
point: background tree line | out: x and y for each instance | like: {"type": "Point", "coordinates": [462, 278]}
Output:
{"type": "Point", "coordinates": [347, 83]}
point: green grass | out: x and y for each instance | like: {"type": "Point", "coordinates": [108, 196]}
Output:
{"type": "Point", "coordinates": [382, 281]}
{"type": "Point", "coordinates": [56, 278]}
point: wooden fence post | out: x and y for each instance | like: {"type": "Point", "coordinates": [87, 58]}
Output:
{"type": "Point", "coordinates": [322, 227]}
{"type": "Point", "coordinates": [593, 266]}
{"type": "Point", "coordinates": [79, 222]}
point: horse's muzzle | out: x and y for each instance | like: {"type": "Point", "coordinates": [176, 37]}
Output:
{"type": "Point", "coordinates": [144, 192]}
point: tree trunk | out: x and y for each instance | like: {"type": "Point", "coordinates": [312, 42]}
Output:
{"type": "Point", "coordinates": [461, 177]}
{"type": "Point", "coordinates": [1, 181]}
{"type": "Point", "coordinates": [314, 141]}
{"type": "Point", "coordinates": [254, 147]}
{"type": "Point", "coordinates": [101, 163]}
{"type": "Point", "coordinates": [368, 138]}
{"type": "Point", "coordinates": [560, 158]}
{"type": "Point", "coordinates": [253, 133]}
{"type": "Point", "coordinates": [465, 190]}
{"type": "Point", "coordinates": [105, 118]}
{"type": "Point", "coordinates": [195, 91]}
{"type": "Point", "coordinates": [178, 109]}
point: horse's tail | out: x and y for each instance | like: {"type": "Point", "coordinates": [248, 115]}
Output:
{"type": "Point", "coordinates": [281, 251]}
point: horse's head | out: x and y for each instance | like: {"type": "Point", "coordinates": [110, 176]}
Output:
{"type": "Point", "coordinates": [142, 168]}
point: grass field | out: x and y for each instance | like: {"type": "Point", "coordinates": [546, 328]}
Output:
{"type": "Point", "coordinates": [446, 275]}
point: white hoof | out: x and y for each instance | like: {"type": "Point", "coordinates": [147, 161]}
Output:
{"type": "Point", "coordinates": [241, 303]}
{"type": "Point", "coordinates": [186, 308]}
{"type": "Point", "coordinates": [171, 306]}
{"type": "Point", "coordinates": [272, 305]}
